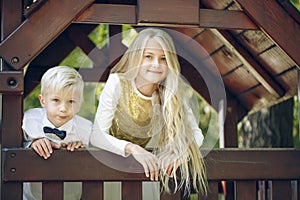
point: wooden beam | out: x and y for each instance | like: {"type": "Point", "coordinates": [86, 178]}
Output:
{"type": "Point", "coordinates": [10, 20]}
{"type": "Point", "coordinates": [168, 12]}
{"type": "Point", "coordinates": [109, 13]}
{"type": "Point", "coordinates": [126, 14]}
{"type": "Point", "coordinates": [39, 30]}
{"type": "Point", "coordinates": [290, 8]}
{"type": "Point", "coordinates": [225, 19]}
{"type": "Point", "coordinates": [251, 64]}
{"type": "Point", "coordinates": [277, 23]}
{"type": "Point", "coordinates": [222, 164]}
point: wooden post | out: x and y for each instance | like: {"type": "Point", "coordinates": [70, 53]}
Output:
{"type": "Point", "coordinates": [11, 18]}
{"type": "Point", "coordinates": [230, 137]}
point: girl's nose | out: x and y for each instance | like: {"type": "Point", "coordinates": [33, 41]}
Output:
{"type": "Point", "coordinates": [155, 62]}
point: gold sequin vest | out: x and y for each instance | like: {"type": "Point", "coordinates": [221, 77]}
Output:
{"type": "Point", "coordinates": [132, 120]}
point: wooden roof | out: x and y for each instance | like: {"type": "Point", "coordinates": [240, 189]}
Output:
{"type": "Point", "coordinates": [254, 45]}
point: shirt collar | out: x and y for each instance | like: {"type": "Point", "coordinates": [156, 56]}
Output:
{"type": "Point", "coordinates": [66, 127]}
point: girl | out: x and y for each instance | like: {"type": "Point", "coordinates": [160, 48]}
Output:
{"type": "Point", "coordinates": [145, 101]}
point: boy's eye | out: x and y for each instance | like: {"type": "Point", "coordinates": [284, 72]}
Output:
{"type": "Point", "coordinates": [163, 58]}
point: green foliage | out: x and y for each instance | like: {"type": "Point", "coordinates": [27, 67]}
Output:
{"type": "Point", "coordinates": [78, 59]}
{"type": "Point", "coordinates": [32, 101]}
{"type": "Point", "coordinates": [99, 36]}
{"type": "Point", "coordinates": [296, 124]}
{"type": "Point", "coordinates": [296, 3]}
{"type": "Point", "coordinates": [128, 35]}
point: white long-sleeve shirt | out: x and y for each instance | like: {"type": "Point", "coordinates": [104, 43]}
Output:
{"type": "Point", "coordinates": [77, 129]}
{"type": "Point", "coordinates": [108, 102]}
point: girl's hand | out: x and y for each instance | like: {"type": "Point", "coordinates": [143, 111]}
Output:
{"type": "Point", "coordinates": [71, 146]}
{"type": "Point", "coordinates": [148, 160]}
{"type": "Point", "coordinates": [169, 164]}
{"type": "Point", "coordinates": [43, 147]}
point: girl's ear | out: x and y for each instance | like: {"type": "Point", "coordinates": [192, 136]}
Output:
{"type": "Point", "coordinates": [42, 100]}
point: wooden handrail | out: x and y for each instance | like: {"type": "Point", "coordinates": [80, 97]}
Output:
{"type": "Point", "coordinates": [222, 164]}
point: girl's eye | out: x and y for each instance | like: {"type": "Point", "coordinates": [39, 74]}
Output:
{"type": "Point", "coordinates": [163, 58]}
{"type": "Point", "coordinates": [55, 100]}
{"type": "Point", "coordinates": [72, 101]}
{"type": "Point", "coordinates": [148, 56]}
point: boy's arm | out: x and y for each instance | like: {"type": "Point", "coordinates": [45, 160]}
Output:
{"type": "Point", "coordinates": [32, 126]}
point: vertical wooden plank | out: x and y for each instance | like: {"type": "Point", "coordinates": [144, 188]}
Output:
{"type": "Point", "coordinates": [131, 190]}
{"type": "Point", "coordinates": [53, 190]}
{"type": "Point", "coordinates": [212, 193]}
{"type": "Point", "coordinates": [11, 190]}
{"type": "Point", "coordinates": [281, 190]}
{"type": "Point", "coordinates": [12, 109]}
{"type": "Point", "coordinates": [230, 125]}
{"type": "Point", "coordinates": [298, 190]}
{"type": "Point", "coordinates": [246, 190]}
{"type": "Point", "coordinates": [92, 190]}
{"type": "Point", "coordinates": [165, 196]}
{"type": "Point", "coordinates": [230, 136]}
{"type": "Point", "coordinates": [11, 18]}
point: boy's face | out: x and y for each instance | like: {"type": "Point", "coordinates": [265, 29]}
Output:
{"type": "Point", "coordinates": [60, 107]}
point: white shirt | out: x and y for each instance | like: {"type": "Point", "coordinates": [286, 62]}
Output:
{"type": "Point", "coordinates": [109, 97]}
{"type": "Point", "coordinates": [77, 129]}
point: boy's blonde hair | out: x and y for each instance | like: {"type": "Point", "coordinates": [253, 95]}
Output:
{"type": "Point", "coordinates": [62, 79]}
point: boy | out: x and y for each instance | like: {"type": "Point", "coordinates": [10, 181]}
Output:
{"type": "Point", "coordinates": [57, 124]}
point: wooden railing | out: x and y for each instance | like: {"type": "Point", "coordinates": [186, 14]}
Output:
{"type": "Point", "coordinates": [242, 167]}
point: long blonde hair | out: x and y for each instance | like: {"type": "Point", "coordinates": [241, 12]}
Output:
{"type": "Point", "coordinates": [176, 138]}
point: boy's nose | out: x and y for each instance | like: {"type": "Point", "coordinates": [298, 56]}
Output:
{"type": "Point", "coordinates": [63, 107]}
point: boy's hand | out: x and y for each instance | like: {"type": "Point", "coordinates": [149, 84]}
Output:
{"type": "Point", "coordinates": [43, 147]}
{"type": "Point", "coordinates": [71, 146]}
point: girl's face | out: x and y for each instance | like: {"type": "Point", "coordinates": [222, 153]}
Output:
{"type": "Point", "coordinates": [154, 68]}
{"type": "Point", "coordinates": [60, 107]}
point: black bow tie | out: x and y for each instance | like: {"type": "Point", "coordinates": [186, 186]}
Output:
{"type": "Point", "coordinates": [60, 134]}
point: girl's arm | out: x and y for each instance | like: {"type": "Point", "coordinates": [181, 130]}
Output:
{"type": "Point", "coordinates": [198, 136]}
{"type": "Point", "coordinates": [100, 136]}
